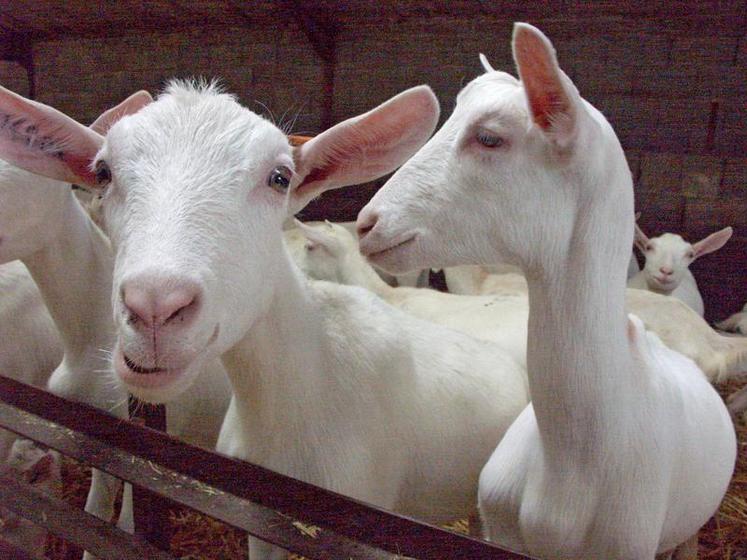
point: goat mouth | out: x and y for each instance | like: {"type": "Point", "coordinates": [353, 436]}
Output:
{"type": "Point", "coordinates": [373, 255]}
{"type": "Point", "coordinates": [139, 369]}
{"type": "Point", "coordinates": [137, 377]}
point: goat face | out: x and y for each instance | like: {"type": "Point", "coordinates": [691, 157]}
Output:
{"type": "Point", "coordinates": [511, 150]}
{"type": "Point", "coordinates": [194, 209]}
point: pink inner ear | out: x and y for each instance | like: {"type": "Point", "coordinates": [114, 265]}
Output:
{"type": "Point", "coordinates": [713, 242]}
{"type": "Point", "coordinates": [368, 146]}
{"type": "Point", "coordinates": [131, 105]}
{"type": "Point", "coordinates": [42, 140]}
{"type": "Point", "coordinates": [552, 108]}
{"type": "Point", "coordinates": [80, 167]}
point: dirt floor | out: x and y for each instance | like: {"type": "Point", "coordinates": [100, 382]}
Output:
{"type": "Point", "coordinates": [196, 537]}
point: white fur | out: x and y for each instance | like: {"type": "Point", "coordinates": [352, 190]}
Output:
{"type": "Point", "coordinates": [737, 323]}
{"type": "Point", "coordinates": [71, 262]}
{"type": "Point", "coordinates": [666, 270]}
{"type": "Point", "coordinates": [328, 252]}
{"type": "Point", "coordinates": [483, 280]}
{"type": "Point", "coordinates": [626, 450]}
{"type": "Point", "coordinates": [414, 279]}
{"type": "Point", "coordinates": [331, 385]}
{"type": "Point", "coordinates": [30, 347]}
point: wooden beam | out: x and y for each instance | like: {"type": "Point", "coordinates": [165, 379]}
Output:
{"type": "Point", "coordinates": [319, 28]}
{"type": "Point", "coordinates": [74, 525]}
{"type": "Point", "coordinates": [264, 503]}
{"type": "Point", "coordinates": [317, 25]}
{"type": "Point", "coordinates": [150, 511]}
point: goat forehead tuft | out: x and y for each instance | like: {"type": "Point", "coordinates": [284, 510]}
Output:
{"type": "Point", "coordinates": [489, 84]}
{"type": "Point", "coordinates": [201, 125]}
{"type": "Point", "coordinates": [191, 90]}
{"type": "Point", "coordinates": [672, 241]}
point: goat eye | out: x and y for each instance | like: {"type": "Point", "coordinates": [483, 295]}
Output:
{"type": "Point", "coordinates": [649, 247]}
{"type": "Point", "coordinates": [103, 174]}
{"type": "Point", "coordinates": [280, 178]}
{"type": "Point", "coordinates": [489, 140]}
{"type": "Point", "coordinates": [690, 255]}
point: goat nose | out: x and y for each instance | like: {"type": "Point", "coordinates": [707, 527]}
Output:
{"type": "Point", "coordinates": [157, 303]}
{"type": "Point", "coordinates": [366, 221]}
{"type": "Point", "coordinates": [666, 270]}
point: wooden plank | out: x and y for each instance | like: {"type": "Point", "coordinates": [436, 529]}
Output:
{"type": "Point", "coordinates": [183, 490]}
{"type": "Point", "coordinates": [73, 525]}
{"type": "Point", "coordinates": [247, 496]}
{"type": "Point", "coordinates": [151, 511]}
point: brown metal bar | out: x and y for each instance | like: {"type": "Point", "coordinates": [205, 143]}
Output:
{"type": "Point", "coordinates": [74, 525]}
{"type": "Point", "coordinates": [225, 488]}
{"type": "Point", "coordinates": [151, 511]}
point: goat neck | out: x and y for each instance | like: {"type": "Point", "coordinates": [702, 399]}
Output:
{"type": "Point", "coordinates": [74, 275]}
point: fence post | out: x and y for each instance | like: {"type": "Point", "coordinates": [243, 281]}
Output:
{"type": "Point", "coordinates": [150, 510]}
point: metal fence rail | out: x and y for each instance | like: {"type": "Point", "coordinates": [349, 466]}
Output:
{"type": "Point", "coordinates": [266, 504]}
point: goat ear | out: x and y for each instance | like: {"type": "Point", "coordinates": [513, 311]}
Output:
{"type": "Point", "coordinates": [129, 106]}
{"type": "Point", "coordinates": [42, 140]}
{"type": "Point", "coordinates": [551, 95]}
{"type": "Point", "coordinates": [365, 147]}
{"type": "Point", "coordinates": [713, 242]}
{"type": "Point", "coordinates": [641, 240]}
{"type": "Point", "coordinates": [486, 64]}
{"type": "Point", "coordinates": [315, 235]}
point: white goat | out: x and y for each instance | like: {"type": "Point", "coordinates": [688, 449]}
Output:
{"type": "Point", "coordinates": [414, 279]}
{"type": "Point", "coordinates": [470, 279]}
{"type": "Point", "coordinates": [473, 280]}
{"type": "Point", "coordinates": [41, 470]}
{"type": "Point", "coordinates": [626, 450]}
{"type": "Point", "coordinates": [737, 323]}
{"type": "Point", "coordinates": [30, 346]}
{"type": "Point", "coordinates": [667, 260]}
{"type": "Point", "coordinates": [71, 261]}
{"type": "Point", "coordinates": [331, 385]}
{"type": "Point", "coordinates": [329, 252]}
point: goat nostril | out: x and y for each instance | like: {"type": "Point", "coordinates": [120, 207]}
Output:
{"type": "Point", "coordinates": [180, 312]}
{"type": "Point", "coordinates": [154, 305]}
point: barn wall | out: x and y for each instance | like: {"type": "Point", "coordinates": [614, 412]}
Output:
{"type": "Point", "coordinates": [673, 87]}
{"type": "Point", "coordinates": [85, 76]}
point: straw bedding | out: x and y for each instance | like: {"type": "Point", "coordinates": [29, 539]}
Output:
{"type": "Point", "coordinates": [196, 537]}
